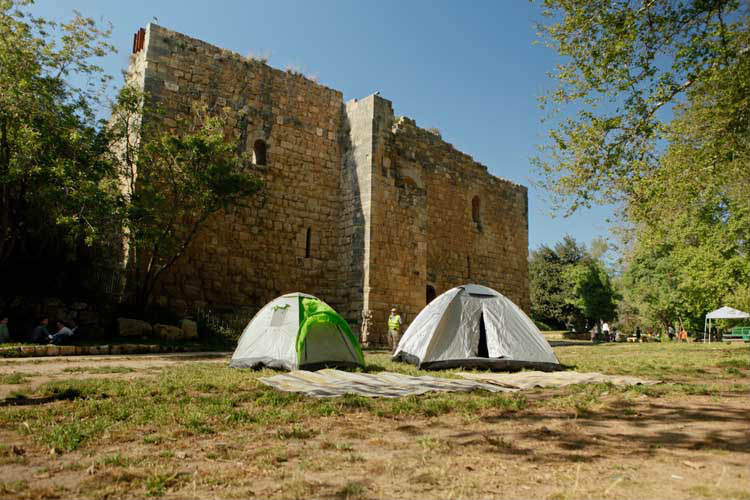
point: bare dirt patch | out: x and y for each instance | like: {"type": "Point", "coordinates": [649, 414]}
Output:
{"type": "Point", "coordinates": [30, 373]}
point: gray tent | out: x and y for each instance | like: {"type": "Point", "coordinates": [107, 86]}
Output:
{"type": "Point", "coordinates": [297, 331]}
{"type": "Point", "coordinates": [475, 326]}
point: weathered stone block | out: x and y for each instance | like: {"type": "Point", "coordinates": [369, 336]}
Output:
{"type": "Point", "coordinates": [189, 329]}
{"type": "Point", "coordinates": [168, 332]}
{"type": "Point", "coordinates": [127, 327]}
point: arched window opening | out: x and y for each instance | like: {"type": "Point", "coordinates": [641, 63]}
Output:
{"type": "Point", "coordinates": [475, 209]}
{"type": "Point", "coordinates": [307, 242]}
{"type": "Point", "coordinates": [259, 152]}
{"type": "Point", "coordinates": [431, 294]}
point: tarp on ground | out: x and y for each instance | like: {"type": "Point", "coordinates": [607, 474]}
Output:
{"type": "Point", "coordinates": [333, 383]}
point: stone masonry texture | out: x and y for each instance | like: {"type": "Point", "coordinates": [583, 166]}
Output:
{"type": "Point", "coordinates": [360, 208]}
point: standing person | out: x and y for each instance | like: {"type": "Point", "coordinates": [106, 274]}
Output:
{"type": "Point", "coordinates": [40, 335]}
{"type": "Point", "coordinates": [4, 333]}
{"type": "Point", "coordinates": [670, 332]}
{"type": "Point", "coordinates": [605, 331]}
{"type": "Point", "coordinates": [683, 334]}
{"type": "Point", "coordinates": [394, 329]}
{"type": "Point", "coordinates": [637, 333]}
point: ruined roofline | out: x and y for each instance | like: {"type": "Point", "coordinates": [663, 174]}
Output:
{"type": "Point", "coordinates": [153, 28]}
{"type": "Point", "coordinates": [401, 124]}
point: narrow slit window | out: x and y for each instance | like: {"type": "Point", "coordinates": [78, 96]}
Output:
{"type": "Point", "coordinates": [475, 209]}
{"type": "Point", "coordinates": [259, 152]}
{"type": "Point", "coordinates": [307, 242]}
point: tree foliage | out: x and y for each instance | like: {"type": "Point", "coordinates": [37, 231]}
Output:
{"type": "Point", "coordinates": [49, 144]}
{"type": "Point", "coordinates": [63, 173]}
{"type": "Point", "coordinates": [170, 181]}
{"type": "Point", "coordinates": [570, 285]}
{"type": "Point", "coordinates": [681, 176]}
{"type": "Point", "coordinates": [624, 61]}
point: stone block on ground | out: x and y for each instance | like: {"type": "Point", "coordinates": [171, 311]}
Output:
{"type": "Point", "coordinates": [189, 329]}
{"type": "Point", "coordinates": [66, 350]}
{"type": "Point", "coordinates": [168, 332]}
{"type": "Point", "coordinates": [133, 327]}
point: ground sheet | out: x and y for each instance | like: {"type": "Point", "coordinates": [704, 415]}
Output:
{"type": "Point", "coordinates": [332, 383]}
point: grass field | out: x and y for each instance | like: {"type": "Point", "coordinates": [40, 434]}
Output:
{"type": "Point", "coordinates": [141, 426]}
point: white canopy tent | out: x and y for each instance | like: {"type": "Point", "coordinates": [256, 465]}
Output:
{"type": "Point", "coordinates": [721, 313]}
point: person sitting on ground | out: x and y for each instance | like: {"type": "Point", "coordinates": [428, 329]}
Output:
{"type": "Point", "coordinates": [62, 335]}
{"type": "Point", "coordinates": [40, 335]}
{"type": "Point", "coordinates": [683, 334]}
{"type": "Point", "coordinates": [4, 333]}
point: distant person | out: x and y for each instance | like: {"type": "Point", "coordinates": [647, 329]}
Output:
{"type": "Point", "coordinates": [605, 331]}
{"type": "Point", "coordinates": [670, 333]}
{"type": "Point", "coordinates": [637, 333]}
{"type": "Point", "coordinates": [63, 334]}
{"type": "Point", "coordinates": [683, 334]}
{"type": "Point", "coordinates": [40, 335]}
{"type": "Point", "coordinates": [394, 329]}
{"type": "Point", "coordinates": [4, 333]}
{"type": "Point", "coordinates": [657, 336]}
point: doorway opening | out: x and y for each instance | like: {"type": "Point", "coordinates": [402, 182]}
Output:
{"type": "Point", "coordinates": [482, 351]}
{"type": "Point", "coordinates": [431, 294]}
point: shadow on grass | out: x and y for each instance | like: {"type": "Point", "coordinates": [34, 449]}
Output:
{"type": "Point", "coordinates": [626, 428]}
{"type": "Point", "coordinates": [67, 394]}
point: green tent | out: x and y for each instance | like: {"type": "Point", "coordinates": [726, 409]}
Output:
{"type": "Point", "coordinates": [297, 332]}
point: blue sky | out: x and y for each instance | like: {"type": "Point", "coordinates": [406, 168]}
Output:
{"type": "Point", "coordinates": [471, 69]}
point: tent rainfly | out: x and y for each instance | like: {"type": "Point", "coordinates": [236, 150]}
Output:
{"type": "Point", "coordinates": [475, 326]}
{"type": "Point", "coordinates": [297, 332]}
{"type": "Point", "coordinates": [721, 313]}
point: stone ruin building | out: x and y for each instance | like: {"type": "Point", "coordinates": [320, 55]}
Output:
{"type": "Point", "coordinates": [362, 208]}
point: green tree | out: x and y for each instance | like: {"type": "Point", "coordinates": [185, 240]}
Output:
{"type": "Point", "coordinates": [169, 183]}
{"type": "Point", "coordinates": [623, 63]}
{"type": "Point", "coordinates": [547, 288]}
{"type": "Point", "coordinates": [682, 180]}
{"type": "Point", "coordinates": [570, 287]}
{"type": "Point", "coordinates": [590, 292]}
{"type": "Point", "coordinates": [49, 143]}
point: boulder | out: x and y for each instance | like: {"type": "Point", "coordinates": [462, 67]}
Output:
{"type": "Point", "coordinates": [189, 329]}
{"type": "Point", "coordinates": [133, 327]}
{"type": "Point", "coordinates": [168, 332]}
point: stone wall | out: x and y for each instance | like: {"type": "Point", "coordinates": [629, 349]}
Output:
{"type": "Point", "coordinates": [248, 256]}
{"type": "Point", "coordinates": [493, 250]}
{"type": "Point", "coordinates": [387, 205]}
